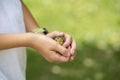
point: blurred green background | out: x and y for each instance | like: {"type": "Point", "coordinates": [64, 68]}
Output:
{"type": "Point", "coordinates": [95, 25]}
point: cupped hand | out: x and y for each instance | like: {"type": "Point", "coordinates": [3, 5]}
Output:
{"type": "Point", "coordinates": [69, 44]}
{"type": "Point", "coordinates": [49, 48]}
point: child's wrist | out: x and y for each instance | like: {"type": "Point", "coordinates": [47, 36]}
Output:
{"type": "Point", "coordinates": [32, 38]}
{"type": "Point", "coordinates": [29, 39]}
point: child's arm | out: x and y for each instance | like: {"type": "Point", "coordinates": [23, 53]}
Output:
{"type": "Point", "coordinates": [47, 47]}
{"type": "Point", "coordinates": [30, 22]}
{"type": "Point", "coordinates": [13, 40]}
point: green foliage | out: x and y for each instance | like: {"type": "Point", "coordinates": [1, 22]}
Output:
{"type": "Point", "coordinates": [95, 24]}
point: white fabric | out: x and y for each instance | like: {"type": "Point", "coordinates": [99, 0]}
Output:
{"type": "Point", "coordinates": [12, 61]}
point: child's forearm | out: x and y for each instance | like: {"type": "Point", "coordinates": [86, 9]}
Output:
{"type": "Point", "coordinates": [30, 22]}
{"type": "Point", "coordinates": [14, 40]}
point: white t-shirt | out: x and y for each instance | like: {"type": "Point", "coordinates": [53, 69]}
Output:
{"type": "Point", "coordinates": [12, 61]}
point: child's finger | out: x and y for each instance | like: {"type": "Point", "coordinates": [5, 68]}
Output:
{"type": "Point", "coordinates": [62, 50]}
{"type": "Point", "coordinates": [54, 34]}
{"type": "Point", "coordinates": [56, 57]}
{"type": "Point", "coordinates": [68, 40]}
{"type": "Point", "coordinates": [73, 47]}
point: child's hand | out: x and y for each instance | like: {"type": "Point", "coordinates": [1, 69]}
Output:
{"type": "Point", "coordinates": [69, 43]}
{"type": "Point", "coordinates": [49, 48]}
